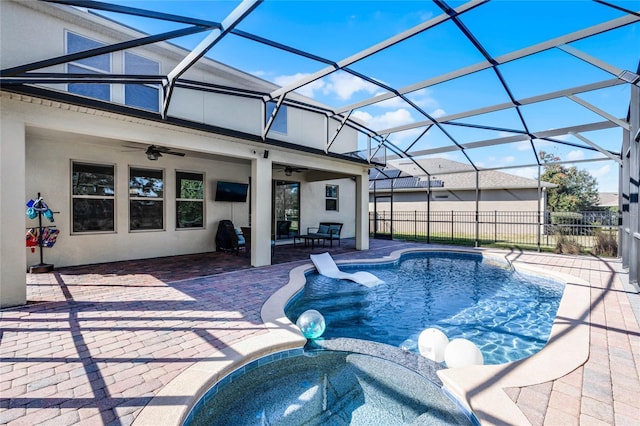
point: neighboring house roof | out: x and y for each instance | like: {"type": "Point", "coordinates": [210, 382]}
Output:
{"type": "Point", "coordinates": [447, 175]}
{"type": "Point", "coordinates": [406, 182]}
{"type": "Point", "coordinates": [608, 199]}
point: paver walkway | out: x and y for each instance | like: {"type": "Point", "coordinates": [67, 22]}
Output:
{"type": "Point", "coordinates": [95, 344]}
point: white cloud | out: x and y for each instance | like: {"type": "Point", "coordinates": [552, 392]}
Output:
{"type": "Point", "coordinates": [601, 172]}
{"type": "Point", "coordinates": [342, 85]}
{"type": "Point", "coordinates": [439, 112]}
{"type": "Point", "coordinates": [307, 90]}
{"type": "Point", "coordinates": [395, 102]}
{"type": "Point", "coordinates": [421, 98]}
{"type": "Point", "coordinates": [345, 85]}
{"type": "Point", "coordinates": [385, 121]}
{"type": "Point", "coordinates": [606, 176]}
{"type": "Point", "coordinates": [575, 155]}
{"type": "Point", "coordinates": [562, 137]}
{"type": "Point", "coordinates": [526, 172]}
{"type": "Point", "coordinates": [363, 116]}
{"type": "Point", "coordinates": [492, 161]}
{"type": "Point", "coordinates": [424, 99]}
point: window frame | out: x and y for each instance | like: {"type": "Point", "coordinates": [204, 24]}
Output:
{"type": "Point", "coordinates": [178, 199]}
{"type": "Point", "coordinates": [150, 86]}
{"type": "Point", "coordinates": [330, 198]}
{"type": "Point", "coordinates": [138, 198]}
{"type": "Point", "coordinates": [280, 120]}
{"type": "Point", "coordinates": [74, 197]}
{"type": "Point", "coordinates": [88, 68]}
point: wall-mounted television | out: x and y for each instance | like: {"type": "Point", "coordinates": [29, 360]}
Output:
{"type": "Point", "coordinates": [232, 191]}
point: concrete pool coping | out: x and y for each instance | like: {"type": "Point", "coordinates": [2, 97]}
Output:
{"type": "Point", "coordinates": [480, 388]}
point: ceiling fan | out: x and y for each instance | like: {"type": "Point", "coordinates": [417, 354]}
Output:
{"type": "Point", "coordinates": [153, 152]}
{"type": "Point", "coordinates": [288, 170]}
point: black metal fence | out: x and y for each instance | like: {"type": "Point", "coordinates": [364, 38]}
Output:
{"type": "Point", "coordinates": [509, 228]}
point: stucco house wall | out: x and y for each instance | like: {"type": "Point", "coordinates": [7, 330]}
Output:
{"type": "Point", "coordinates": [51, 24]}
{"type": "Point", "coordinates": [42, 133]}
{"type": "Point", "coordinates": [314, 208]}
{"type": "Point", "coordinates": [524, 199]}
{"type": "Point", "coordinates": [49, 155]}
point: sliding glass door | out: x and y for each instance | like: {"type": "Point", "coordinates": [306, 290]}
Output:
{"type": "Point", "coordinates": [286, 209]}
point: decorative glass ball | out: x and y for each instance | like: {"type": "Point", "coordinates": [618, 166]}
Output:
{"type": "Point", "coordinates": [432, 343]}
{"type": "Point", "coordinates": [409, 345]}
{"type": "Point", "coordinates": [311, 324]}
{"type": "Point", "coordinates": [461, 353]}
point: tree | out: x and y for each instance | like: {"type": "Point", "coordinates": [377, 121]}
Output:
{"type": "Point", "coordinates": [577, 190]}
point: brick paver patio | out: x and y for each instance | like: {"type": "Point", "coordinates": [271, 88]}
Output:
{"type": "Point", "coordinates": [96, 343]}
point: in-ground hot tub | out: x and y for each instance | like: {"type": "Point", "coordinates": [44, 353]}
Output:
{"type": "Point", "coordinates": [377, 385]}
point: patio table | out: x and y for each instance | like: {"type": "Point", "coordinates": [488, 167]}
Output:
{"type": "Point", "coordinates": [306, 239]}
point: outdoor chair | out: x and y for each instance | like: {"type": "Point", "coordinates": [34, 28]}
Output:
{"type": "Point", "coordinates": [229, 238]}
{"type": "Point", "coordinates": [326, 231]}
{"type": "Point", "coordinates": [283, 228]}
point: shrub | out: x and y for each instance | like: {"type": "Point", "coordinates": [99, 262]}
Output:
{"type": "Point", "coordinates": [566, 245]}
{"type": "Point", "coordinates": [566, 218]}
{"type": "Point", "coordinates": [606, 245]}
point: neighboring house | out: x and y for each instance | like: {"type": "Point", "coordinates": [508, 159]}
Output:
{"type": "Point", "coordinates": [452, 186]}
{"type": "Point", "coordinates": [125, 181]}
{"type": "Point", "coordinates": [609, 199]}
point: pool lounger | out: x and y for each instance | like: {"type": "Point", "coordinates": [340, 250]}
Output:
{"type": "Point", "coordinates": [326, 266]}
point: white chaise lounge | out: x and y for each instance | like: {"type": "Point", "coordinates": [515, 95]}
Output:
{"type": "Point", "coordinates": [326, 266]}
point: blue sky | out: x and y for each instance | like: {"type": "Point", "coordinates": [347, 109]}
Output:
{"type": "Point", "coordinates": [336, 30]}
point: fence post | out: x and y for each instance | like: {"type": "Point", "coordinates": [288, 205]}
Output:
{"type": "Point", "coordinates": [495, 226]}
{"type": "Point", "coordinates": [540, 227]}
{"type": "Point", "coordinates": [429, 214]}
{"type": "Point", "coordinates": [451, 225]}
{"type": "Point", "coordinates": [477, 228]}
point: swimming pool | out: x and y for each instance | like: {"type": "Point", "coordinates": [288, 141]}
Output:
{"type": "Point", "coordinates": [478, 388]}
{"type": "Point", "coordinates": [507, 314]}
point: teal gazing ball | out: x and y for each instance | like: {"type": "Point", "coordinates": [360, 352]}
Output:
{"type": "Point", "coordinates": [311, 324]}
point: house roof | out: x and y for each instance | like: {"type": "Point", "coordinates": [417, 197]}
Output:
{"type": "Point", "coordinates": [446, 174]}
{"type": "Point", "coordinates": [608, 199]}
{"type": "Point", "coordinates": [405, 182]}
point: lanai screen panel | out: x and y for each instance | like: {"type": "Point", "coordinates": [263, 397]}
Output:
{"type": "Point", "coordinates": [490, 84]}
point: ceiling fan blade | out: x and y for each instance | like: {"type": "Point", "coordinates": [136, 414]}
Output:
{"type": "Point", "coordinates": [130, 148]}
{"type": "Point", "coordinates": [179, 154]}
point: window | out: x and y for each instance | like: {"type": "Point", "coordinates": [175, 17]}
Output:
{"type": "Point", "coordinates": [189, 200]}
{"type": "Point", "coordinates": [146, 199]}
{"type": "Point", "coordinates": [331, 197]}
{"type": "Point", "coordinates": [92, 197]}
{"type": "Point", "coordinates": [93, 65]}
{"type": "Point", "coordinates": [141, 95]}
{"type": "Point", "coordinates": [280, 122]}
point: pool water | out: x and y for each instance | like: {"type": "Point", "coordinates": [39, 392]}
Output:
{"type": "Point", "coordinates": [507, 314]}
{"type": "Point", "coordinates": [327, 387]}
